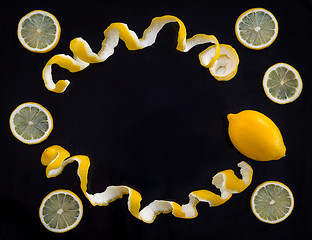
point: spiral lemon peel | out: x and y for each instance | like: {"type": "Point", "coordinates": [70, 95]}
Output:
{"type": "Point", "coordinates": [55, 158]}
{"type": "Point", "coordinates": [83, 54]}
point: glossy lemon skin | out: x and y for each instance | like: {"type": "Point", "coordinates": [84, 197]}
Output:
{"type": "Point", "coordinates": [256, 136]}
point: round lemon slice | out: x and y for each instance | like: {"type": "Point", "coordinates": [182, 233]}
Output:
{"type": "Point", "coordinates": [31, 123]}
{"type": "Point", "coordinates": [282, 83]}
{"type": "Point", "coordinates": [257, 28]}
{"type": "Point", "coordinates": [39, 31]}
{"type": "Point", "coordinates": [61, 211]}
{"type": "Point", "coordinates": [272, 202]}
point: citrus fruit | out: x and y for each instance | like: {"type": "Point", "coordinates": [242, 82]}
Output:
{"type": "Point", "coordinates": [257, 28]}
{"type": "Point", "coordinates": [31, 123]}
{"type": "Point", "coordinates": [61, 211]}
{"type": "Point", "coordinates": [272, 202]}
{"type": "Point", "coordinates": [39, 31]}
{"type": "Point", "coordinates": [282, 83]}
{"type": "Point", "coordinates": [256, 136]}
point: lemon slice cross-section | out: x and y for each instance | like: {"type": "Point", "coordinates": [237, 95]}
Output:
{"type": "Point", "coordinates": [282, 83]}
{"type": "Point", "coordinates": [257, 28]}
{"type": "Point", "coordinates": [61, 211]}
{"type": "Point", "coordinates": [272, 202]}
{"type": "Point", "coordinates": [31, 123]}
{"type": "Point", "coordinates": [39, 31]}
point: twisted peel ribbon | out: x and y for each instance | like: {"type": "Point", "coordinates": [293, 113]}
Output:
{"type": "Point", "coordinates": [55, 158]}
{"type": "Point", "coordinates": [83, 54]}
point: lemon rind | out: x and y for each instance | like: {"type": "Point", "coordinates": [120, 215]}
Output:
{"type": "Point", "coordinates": [55, 158]}
{"type": "Point", "coordinates": [251, 142]}
{"type": "Point", "coordinates": [83, 54]}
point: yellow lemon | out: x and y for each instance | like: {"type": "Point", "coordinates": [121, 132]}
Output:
{"type": "Point", "coordinates": [256, 136]}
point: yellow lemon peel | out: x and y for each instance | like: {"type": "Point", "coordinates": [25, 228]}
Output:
{"type": "Point", "coordinates": [83, 54]}
{"type": "Point", "coordinates": [56, 158]}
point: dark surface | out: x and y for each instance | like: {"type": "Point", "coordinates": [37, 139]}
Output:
{"type": "Point", "coordinates": [154, 120]}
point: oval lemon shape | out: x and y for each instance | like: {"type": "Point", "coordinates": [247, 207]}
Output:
{"type": "Point", "coordinates": [256, 136]}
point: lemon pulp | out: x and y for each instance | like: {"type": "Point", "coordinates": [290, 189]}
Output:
{"type": "Point", "coordinates": [256, 28]}
{"type": "Point", "coordinates": [39, 31]}
{"type": "Point", "coordinates": [282, 83]}
{"type": "Point", "coordinates": [272, 202]}
{"type": "Point", "coordinates": [61, 211]}
{"type": "Point", "coordinates": [31, 123]}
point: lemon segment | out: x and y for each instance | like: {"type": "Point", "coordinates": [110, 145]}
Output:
{"type": "Point", "coordinates": [257, 28]}
{"type": "Point", "coordinates": [282, 83]}
{"type": "Point", "coordinates": [39, 31]}
{"type": "Point", "coordinates": [61, 211]}
{"type": "Point", "coordinates": [31, 123]}
{"type": "Point", "coordinates": [55, 158]}
{"type": "Point", "coordinates": [272, 202]}
{"type": "Point", "coordinates": [256, 136]}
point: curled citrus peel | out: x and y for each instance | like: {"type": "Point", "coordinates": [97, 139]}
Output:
{"type": "Point", "coordinates": [56, 158]}
{"type": "Point", "coordinates": [83, 54]}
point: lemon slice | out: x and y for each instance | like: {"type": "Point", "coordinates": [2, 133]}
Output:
{"type": "Point", "coordinates": [282, 83]}
{"type": "Point", "coordinates": [61, 211]}
{"type": "Point", "coordinates": [39, 31]}
{"type": "Point", "coordinates": [257, 28]}
{"type": "Point", "coordinates": [31, 123]}
{"type": "Point", "coordinates": [272, 202]}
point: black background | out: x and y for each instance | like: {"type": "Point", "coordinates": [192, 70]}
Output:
{"type": "Point", "coordinates": [154, 120]}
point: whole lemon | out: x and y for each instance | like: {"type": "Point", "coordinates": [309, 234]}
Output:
{"type": "Point", "coordinates": [256, 136]}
